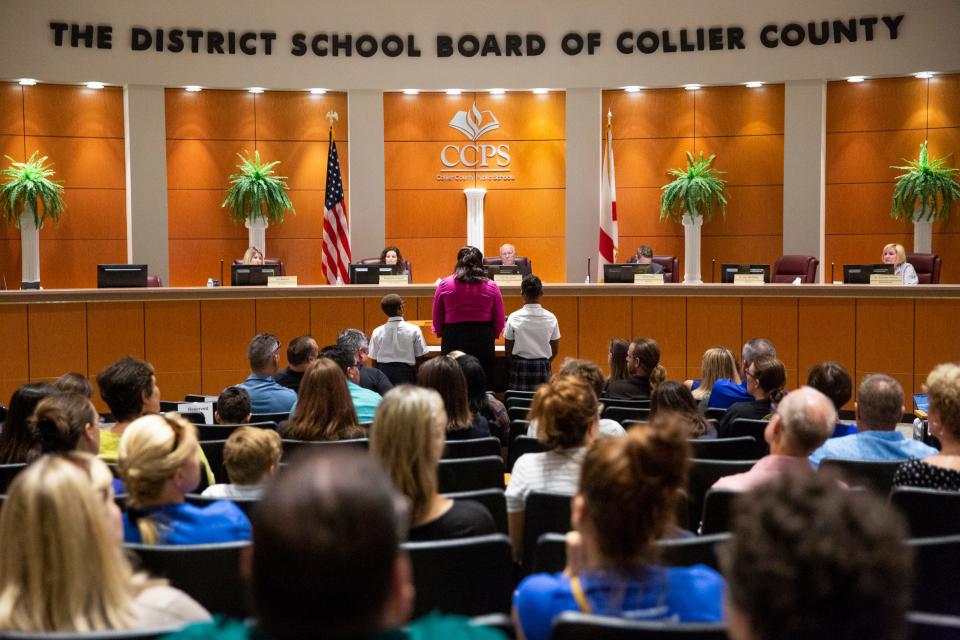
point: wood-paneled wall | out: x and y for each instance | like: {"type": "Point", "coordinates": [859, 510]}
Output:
{"type": "Point", "coordinates": [205, 132]}
{"type": "Point", "coordinates": [427, 217]}
{"type": "Point", "coordinates": [652, 129]}
{"type": "Point", "coordinates": [872, 126]}
{"type": "Point", "coordinates": [81, 132]}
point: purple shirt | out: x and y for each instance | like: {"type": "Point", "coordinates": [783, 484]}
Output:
{"type": "Point", "coordinates": [456, 301]}
{"type": "Point", "coordinates": [766, 469]}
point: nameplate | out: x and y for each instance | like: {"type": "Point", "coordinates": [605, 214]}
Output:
{"type": "Point", "coordinates": [282, 281]}
{"type": "Point", "coordinates": [751, 279]}
{"type": "Point", "coordinates": [393, 280]}
{"type": "Point", "coordinates": [508, 278]}
{"type": "Point", "coordinates": [648, 278]}
{"type": "Point", "coordinates": [886, 279]}
{"type": "Point", "coordinates": [206, 408]}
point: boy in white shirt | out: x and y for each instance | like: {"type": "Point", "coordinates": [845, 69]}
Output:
{"type": "Point", "coordinates": [251, 455]}
{"type": "Point", "coordinates": [532, 338]}
{"type": "Point", "coordinates": [397, 346]}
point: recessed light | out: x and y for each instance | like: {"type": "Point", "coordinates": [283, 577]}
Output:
{"type": "Point", "coordinates": [497, 92]}
{"type": "Point", "coordinates": [753, 85]}
{"type": "Point", "coordinates": [541, 92]}
{"type": "Point", "coordinates": [95, 85]}
{"type": "Point", "coordinates": [256, 89]}
{"type": "Point", "coordinates": [632, 89]}
{"type": "Point", "coordinates": [411, 92]}
{"type": "Point", "coordinates": [691, 87]}
{"type": "Point", "coordinates": [454, 92]}
{"type": "Point", "coordinates": [923, 75]}
{"type": "Point", "coordinates": [855, 79]}
{"type": "Point", "coordinates": [192, 88]}
{"type": "Point", "coordinates": [27, 82]}
{"type": "Point", "coordinates": [317, 91]}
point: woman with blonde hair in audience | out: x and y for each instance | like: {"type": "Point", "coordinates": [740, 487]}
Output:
{"type": "Point", "coordinates": [568, 417]}
{"type": "Point", "coordinates": [896, 255]}
{"type": "Point", "coordinates": [941, 470]}
{"type": "Point", "coordinates": [407, 437]}
{"type": "Point", "coordinates": [159, 463]}
{"type": "Point", "coordinates": [62, 567]}
{"type": "Point", "coordinates": [324, 408]}
{"type": "Point", "coordinates": [625, 502]}
{"type": "Point", "coordinates": [674, 397]}
{"type": "Point", "coordinates": [617, 359]}
{"type": "Point", "coordinates": [718, 363]}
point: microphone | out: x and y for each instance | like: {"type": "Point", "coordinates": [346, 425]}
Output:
{"type": "Point", "coordinates": [713, 270]}
{"type": "Point", "coordinates": [588, 271]}
{"type": "Point", "coordinates": [832, 278]}
{"type": "Point", "coordinates": [221, 272]}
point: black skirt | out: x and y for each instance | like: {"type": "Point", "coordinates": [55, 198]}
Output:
{"type": "Point", "coordinates": [474, 338]}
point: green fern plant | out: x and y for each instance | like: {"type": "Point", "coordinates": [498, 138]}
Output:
{"type": "Point", "coordinates": [925, 192]}
{"type": "Point", "coordinates": [695, 190]}
{"type": "Point", "coordinates": [29, 183]}
{"type": "Point", "coordinates": [256, 192]}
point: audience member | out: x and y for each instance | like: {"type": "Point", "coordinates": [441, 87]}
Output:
{"type": "Point", "coordinates": [443, 375]}
{"type": "Point", "coordinates": [324, 410]}
{"type": "Point", "coordinates": [481, 401]}
{"type": "Point", "coordinates": [625, 503]}
{"type": "Point", "coordinates": [64, 422]}
{"type": "Point", "coordinates": [727, 391]}
{"type": "Point", "coordinates": [327, 563]}
{"type": "Point", "coordinates": [62, 568]}
{"type": "Point", "coordinates": [408, 437]}
{"type": "Point", "coordinates": [567, 412]}
{"type": "Point", "coordinates": [803, 421]}
{"type": "Point", "coordinates": [159, 465]}
{"type": "Point", "coordinates": [531, 338]}
{"type": "Point", "coordinates": [300, 353]}
{"type": "Point", "coordinates": [939, 470]}
{"type": "Point", "coordinates": [617, 359]}
{"type": "Point", "coordinates": [646, 372]}
{"type": "Point", "coordinates": [233, 406]}
{"type": "Point", "coordinates": [809, 560]}
{"type": "Point", "coordinates": [251, 456]}
{"type": "Point", "coordinates": [73, 382]}
{"type": "Point", "coordinates": [17, 441]}
{"type": "Point", "coordinates": [879, 408]}
{"type": "Point", "coordinates": [364, 401]}
{"type": "Point", "coordinates": [508, 258]}
{"type": "Point", "coordinates": [266, 396]}
{"type": "Point", "coordinates": [766, 379]}
{"type": "Point", "coordinates": [592, 375]}
{"type": "Point", "coordinates": [832, 380]}
{"type": "Point", "coordinates": [674, 397]}
{"type": "Point", "coordinates": [645, 256]}
{"type": "Point", "coordinates": [397, 346]}
{"type": "Point", "coordinates": [718, 364]}
{"type": "Point", "coordinates": [355, 343]}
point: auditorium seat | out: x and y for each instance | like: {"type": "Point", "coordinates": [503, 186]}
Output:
{"type": "Point", "coordinates": [936, 567]}
{"type": "Point", "coordinates": [246, 504]}
{"type": "Point", "coordinates": [269, 417]}
{"type": "Point", "coordinates": [929, 512]}
{"type": "Point", "coordinates": [670, 264]}
{"type": "Point", "coordinates": [740, 448]}
{"type": "Point", "coordinates": [927, 266]}
{"type": "Point", "coordinates": [703, 473]}
{"type": "Point", "coordinates": [717, 510]}
{"type": "Point", "coordinates": [154, 281]}
{"type": "Point", "coordinates": [743, 427]}
{"type": "Point", "coordinates": [522, 445]}
{"type": "Point", "coordinates": [406, 265]}
{"type": "Point", "coordinates": [789, 268]}
{"type": "Point", "coordinates": [544, 512]}
{"type": "Point", "coordinates": [223, 431]}
{"type": "Point", "coordinates": [7, 473]}
{"type": "Point", "coordinates": [290, 445]}
{"type": "Point", "coordinates": [472, 448]}
{"type": "Point", "coordinates": [493, 500]}
{"type": "Point", "coordinates": [519, 260]}
{"type": "Point", "coordinates": [573, 625]}
{"type": "Point", "coordinates": [870, 474]}
{"type": "Point", "coordinates": [470, 474]}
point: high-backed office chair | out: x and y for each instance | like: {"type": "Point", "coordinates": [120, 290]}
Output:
{"type": "Point", "coordinates": [154, 281]}
{"type": "Point", "coordinates": [927, 266]}
{"type": "Point", "coordinates": [406, 265]}
{"type": "Point", "coordinates": [268, 262]}
{"type": "Point", "coordinates": [788, 268]}
{"type": "Point", "coordinates": [523, 262]}
{"type": "Point", "coordinates": [670, 264]}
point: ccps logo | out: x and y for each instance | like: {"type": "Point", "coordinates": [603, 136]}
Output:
{"type": "Point", "coordinates": [475, 156]}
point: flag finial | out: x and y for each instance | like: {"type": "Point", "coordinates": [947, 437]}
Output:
{"type": "Point", "coordinates": [332, 116]}
{"type": "Point", "coordinates": [609, 117]}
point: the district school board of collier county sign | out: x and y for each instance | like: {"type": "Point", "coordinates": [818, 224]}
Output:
{"type": "Point", "coordinates": [817, 32]}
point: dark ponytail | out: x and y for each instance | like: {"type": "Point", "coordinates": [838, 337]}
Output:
{"type": "Point", "coordinates": [771, 376]}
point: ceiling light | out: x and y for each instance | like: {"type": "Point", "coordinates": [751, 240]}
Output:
{"type": "Point", "coordinates": [855, 79]}
{"type": "Point", "coordinates": [753, 85]}
{"type": "Point", "coordinates": [497, 92]}
{"type": "Point", "coordinates": [192, 88]}
{"type": "Point", "coordinates": [691, 87]}
{"type": "Point", "coordinates": [256, 89]}
{"type": "Point", "coordinates": [923, 75]}
{"type": "Point", "coordinates": [411, 92]}
{"type": "Point", "coordinates": [95, 85]}
{"type": "Point", "coordinates": [317, 91]}
{"type": "Point", "coordinates": [632, 89]}
{"type": "Point", "coordinates": [541, 92]}
{"type": "Point", "coordinates": [454, 92]}
{"type": "Point", "coordinates": [27, 82]}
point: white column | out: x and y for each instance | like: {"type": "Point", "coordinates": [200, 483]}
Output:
{"type": "Point", "coordinates": [804, 144]}
{"type": "Point", "coordinates": [584, 137]}
{"type": "Point", "coordinates": [475, 216]}
{"type": "Point", "coordinates": [257, 234]}
{"type": "Point", "coordinates": [366, 193]}
{"type": "Point", "coordinates": [145, 148]}
{"type": "Point", "coordinates": [29, 248]}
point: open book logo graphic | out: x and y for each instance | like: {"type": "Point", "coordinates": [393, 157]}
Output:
{"type": "Point", "coordinates": [474, 123]}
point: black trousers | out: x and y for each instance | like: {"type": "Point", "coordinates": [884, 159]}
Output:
{"type": "Point", "coordinates": [474, 338]}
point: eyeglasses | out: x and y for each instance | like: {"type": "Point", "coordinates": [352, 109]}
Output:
{"type": "Point", "coordinates": [751, 374]}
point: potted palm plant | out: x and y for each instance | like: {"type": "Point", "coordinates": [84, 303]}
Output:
{"type": "Point", "coordinates": [690, 198]}
{"type": "Point", "coordinates": [257, 197]}
{"type": "Point", "coordinates": [28, 197]}
{"type": "Point", "coordinates": [924, 193]}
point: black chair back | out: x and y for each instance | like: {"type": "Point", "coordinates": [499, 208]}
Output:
{"type": "Point", "coordinates": [223, 431]}
{"type": "Point", "coordinates": [930, 626]}
{"type": "Point", "coordinates": [468, 576]}
{"type": "Point", "coordinates": [492, 499]}
{"type": "Point", "coordinates": [499, 621]}
{"type": "Point", "coordinates": [703, 473]}
{"type": "Point", "coordinates": [929, 512]}
{"type": "Point", "coordinates": [624, 414]}
{"type": "Point", "coordinates": [7, 473]}
{"type": "Point", "coordinates": [877, 476]}
{"type": "Point", "coordinates": [516, 393]}
{"type": "Point", "coordinates": [289, 446]}
{"type": "Point", "coordinates": [714, 413]}
{"type": "Point", "coordinates": [620, 402]}
{"type": "Point", "coordinates": [573, 625]}
{"type": "Point", "coordinates": [518, 413]}
{"type": "Point", "coordinates": [550, 554]}
{"type": "Point", "coordinates": [518, 428]}
{"type": "Point", "coordinates": [210, 573]}
{"type": "Point", "coordinates": [543, 513]}
{"type": "Point", "coordinates": [269, 417]}
{"type": "Point", "coordinates": [753, 428]}
{"type": "Point", "coordinates": [247, 505]}
{"type": "Point", "coordinates": [741, 448]}
{"type": "Point", "coordinates": [936, 567]}
{"type": "Point", "coordinates": [213, 449]}
{"type": "Point", "coordinates": [684, 552]}
{"type": "Point", "coordinates": [473, 448]}
{"type": "Point", "coordinates": [470, 474]}
{"type": "Point", "coordinates": [519, 401]}
{"type": "Point", "coordinates": [520, 446]}
{"type": "Point", "coordinates": [717, 510]}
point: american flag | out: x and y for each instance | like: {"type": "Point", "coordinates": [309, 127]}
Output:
{"type": "Point", "coordinates": [336, 229]}
{"type": "Point", "coordinates": [609, 236]}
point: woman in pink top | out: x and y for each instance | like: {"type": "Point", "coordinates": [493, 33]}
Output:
{"type": "Point", "coordinates": [468, 310]}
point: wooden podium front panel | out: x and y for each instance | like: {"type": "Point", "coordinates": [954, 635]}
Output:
{"type": "Point", "coordinates": [226, 327]}
{"type": "Point", "coordinates": [601, 320]}
{"type": "Point", "coordinates": [827, 332]}
{"type": "Point", "coordinates": [14, 357]}
{"type": "Point", "coordinates": [711, 322]}
{"type": "Point", "coordinates": [664, 320]}
{"type": "Point", "coordinates": [777, 320]}
{"type": "Point", "coordinates": [885, 340]}
{"type": "Point", "coordinates": [57, 339]}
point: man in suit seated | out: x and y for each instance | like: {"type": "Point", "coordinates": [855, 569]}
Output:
{"type": "Point", "coordinates": [508, 257]}
{"type": "Point", "coordinates": [645, 256]}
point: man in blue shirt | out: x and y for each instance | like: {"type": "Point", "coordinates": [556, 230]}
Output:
{"type": "Point", "coordinates": [266, 396]}
{"type": "Point", "coordinates": [726, 392]}
{"type": "Point", "coordinates": [879, 408]}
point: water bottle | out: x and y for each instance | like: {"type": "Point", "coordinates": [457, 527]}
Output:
{"type": "Point", "coordinates": [209, 282]}
{"type": "Point", "coordinates": [339, 281]}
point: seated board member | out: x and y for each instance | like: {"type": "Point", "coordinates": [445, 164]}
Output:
{"type": "Point", "coordinates": [896, 255]}
{"type": "Point", "coordinates": [725, 391]}
{"type": "Point", "coordinates": [340, 572]}
{"type": "Point", "coordinates": [300, 353]}
{"type": "Point", "coordinates": [645, 256]}
{"type": "Point", "coordinates": [253, 256]}
{"type": "Point", "coordinates": [266, 395]}
{"type": "Point", "coordinates": [391, 255]}
{"type": "Point", "coordinates": [508, 258]}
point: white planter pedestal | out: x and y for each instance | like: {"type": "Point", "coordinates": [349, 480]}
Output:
{"type": "Point", "coordinates": [922, 237]}
{"type": "Point", "coordinates": [475, 197]}
{"type": "Point", "coordinates": [29, 250]}
{"type": "Point", "coordinates": [691, 249]}
{"type": "Point", "coordinates": [257, 234]}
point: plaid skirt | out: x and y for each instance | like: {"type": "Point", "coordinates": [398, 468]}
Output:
{"type": "Point", "coordinates": [526, 374]}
